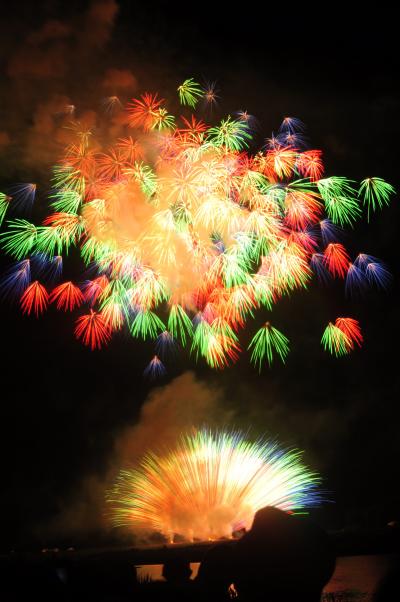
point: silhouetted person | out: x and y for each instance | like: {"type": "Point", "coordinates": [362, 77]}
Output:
{"type": "Point", "coordinates": [216, 572]}
{"type": "Point", "coordinates": [283, 558]}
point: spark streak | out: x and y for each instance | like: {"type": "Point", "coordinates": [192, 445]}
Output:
{"type": "Point", "coordinates": [210, 485]}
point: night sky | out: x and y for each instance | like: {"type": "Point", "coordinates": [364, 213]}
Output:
{"type": "Point", "coordinates": [69, 416]}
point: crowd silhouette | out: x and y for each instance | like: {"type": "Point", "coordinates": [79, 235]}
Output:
{"type": "Point", "coordinates": [282, 558]}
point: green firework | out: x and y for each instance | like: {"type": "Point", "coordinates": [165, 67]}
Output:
{"type": "Point", "coordinates": [341, 203]}
{"type": "Point", "coordinates": [375, 193]}
{"type": "Point", "coordinates": [234, 135]}
{"type": "Point", "coordinates": [179, 323]}
{"type": "Point", "coordinates": [190, 92]}
{"type": "Point", "coordinates": [335, 341]}
{"type": "Point", "coordinates": [266, 342]}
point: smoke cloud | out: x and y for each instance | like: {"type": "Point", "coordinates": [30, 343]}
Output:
{"type": "Point", "coordinates": [50, 71]}
{"type": "Point", "coordinates": [184, 403]}
{"type": "Point", "coordinates": [168, 411]}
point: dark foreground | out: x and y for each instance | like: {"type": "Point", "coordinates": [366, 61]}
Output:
{"type": "Point", "coordinates": [367, 569]}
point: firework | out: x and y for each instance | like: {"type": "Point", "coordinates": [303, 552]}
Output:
{"type": "Point", "coordinates": [111, 104]}
{"type": "Point", "coordinates": [340, 338]}
{"type": "Point", "coordinates": [267, 341]}
{"type": "Point", "coordinates": [329, 231]}
{"type": "Point", "coordinates": [4, 203]}
{"type": "Point", "coordinates": [341, 204]}
{"type": "Point", "coordinates": [351, 329]}
{"type": "Point", "coordinates": [231, 134]}
{"type": "Point", "coordinates": [210, 485]}
{"type": "Point", "coordinates": [335, 340]}
{"type": "Point", "coordinates": [67, 296]}
{"type": "Point", "coordinates": [155, 369]}
{"type": "Point", "coordinates": [190, 92]}
{"type": "Point", "coordinates": [17, 279]}
{"type": "Point", "coordinates": [93, 330]}
{"type": "Point", "coordinates": [376, 193]}
{"type": "Point", "coordinates": [210, 95]}
{"type": "Point", "coordinates": [141, 112]}
{"type": "Point", "coordinates": [374, 270]}
{"type": "Point", "coordinates": [35, 299]}
{"type": "Point", "coordinates": [19, 240]}
{"type": "Point", "coordinates": [355, 279]}
{"type": "Point", "coordinates": [184, 233]}
{"type": "Point", "coordinates": [337, 259]}
{"type": "Point", "coordinates": [165, 345]}
{"type": "Point", "coordinates": [179, 323]}
{"type": "Point", "coordinates": [23, 195]}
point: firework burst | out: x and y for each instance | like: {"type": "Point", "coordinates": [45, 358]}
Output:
{"type": "Point", "coordinates": [210, 485]}
{"type": "Point", "coordinates": [186, 232]}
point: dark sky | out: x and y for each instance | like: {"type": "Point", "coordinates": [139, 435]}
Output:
{"type": "Point", "coordinates": [64, 409]}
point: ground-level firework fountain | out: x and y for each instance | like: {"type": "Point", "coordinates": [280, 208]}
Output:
{"type": "Point", "coordinates": [210, 485]}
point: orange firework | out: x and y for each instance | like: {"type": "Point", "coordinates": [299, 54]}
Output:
{"type": "Point", "coordinates": [210, 485]}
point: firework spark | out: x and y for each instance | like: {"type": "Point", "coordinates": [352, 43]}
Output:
{"type": "Point", "coordinates": [210, 485]}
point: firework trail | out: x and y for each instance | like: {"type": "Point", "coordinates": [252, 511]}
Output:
{"type": "Point", "coordinates": [186, 233]}
{"type": "Point", "coordinates": [210, 485]}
